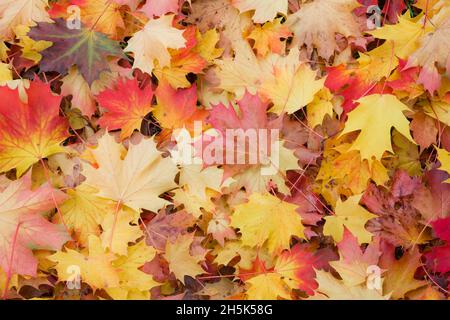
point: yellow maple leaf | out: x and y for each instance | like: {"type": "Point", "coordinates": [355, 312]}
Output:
{"type": "Point", "coordinates": [319, 107]}
{"type": "Point", "coordinates": [242, 72]}
{"type": "Point", "coordinates": [102, 15]}
{"type": "Point", "coordinates": [206, 45]}
{"type": "Point", "coordinates": [30, 49]}
{"type": "Point", "coordinates": [134, 283]}
{"type": "Point", "coordinates": [370, 117]}
{"type": "Point", "coordinates": [83, 212]}
{"type": "Point", "coordinates": [181, 261]}
{"type": "Point", "coordinates": [267, 286]}
{"type": "Point", "coordinates": [136, 180]}
{"type": "Point", "coordinates": [120, 229]}
{"type": "Point", "coordinates": [404, 35]}
{"type": "Point", "coordinates": [334, 289]}
{"type": "Point", "coordinates": [265, 219]}
{"type": "Point", "coordinates": [95, 267]}
{"type": "Point", "coordinates": [199, 179]}
{"type": "Point", "coordinates": [351, 215]}
{"type": "Point", "coordinates": [233, 249]}
{"type": "Point", "coordinates": [290, 85]}
{"type": "Point", "coordinates": [193, 203]}
{"type": "Point", "coordinates": [151, 43]}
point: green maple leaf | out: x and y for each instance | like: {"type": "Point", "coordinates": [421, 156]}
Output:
{"type": "Point", "coordinates": [83, 47]}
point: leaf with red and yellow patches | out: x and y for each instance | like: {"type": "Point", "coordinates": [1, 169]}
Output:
{"type": "Point", "coordinates": [268, 37]}
{"type": "Point", "coordinates": [101, 15]}
{"type": "Point", "coordinates": [125, 111]}
{"type": "Point", "coordinates": [350, 84]}
{"type": "Point", "coordinates": [293, 270]}
{"type": "Point", "coordinates": [32, 130]}
{"type": "Point", "coordinates": [184, 61]}
{"type": "Point", "coordinates": [404, 81]}
{"type": "Point", "coordinates": [22, 227]}
{"type": "Point", "coordinates": [296, 267]}
{"type": "Point", "coordinates": [177, 108]}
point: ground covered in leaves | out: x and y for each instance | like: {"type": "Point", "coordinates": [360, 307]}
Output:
{"type": "Point", "coordinates": [350, 201]}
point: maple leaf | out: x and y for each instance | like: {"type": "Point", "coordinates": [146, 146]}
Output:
{"type": "Point", "coordinates": [21, 12]}
{"type": "Point", "coordinates": [268, 37]}
{"type": "Point", "coordinates": [83, 212]}
{"type": "Point", "coordinates": [233, 249]}
{"type": "Point", "coordinates": [242, 72]}
{"type": "Point", "coordinates": [351, 215]}
{"type": "Point", "coordinates": [219, 228]}
{"type": "Point", "coordinates": [432, 197]}
{"type": "Point", "coordinates": [404, 81]}
{"type": "Point", "coordinates": [424, 130]}
{"type": "Point", "coordinates": [401, 38]}
{"type": "Point", "coordinates": [85, 48]}
{"type": "Point", "coordinates": [132, 281]}
{"type": "Point", "coordinates": [351, 84]}
{"type": "Point", "coordinates": [252, 115]}
{"type": "Point", "coordinates": [399, 277]}
{"type": "Point", "coordinates": [125, 112]}
{"type": "Point", "coordinates": [165, 227]}
{"type": "Point", "coordinates": [23, 227]}
{"type": "Point", "coordinates": [268, 286]}
{"type": "Point", "coordinates": [82, 98]}
{"type": "Point", "coordinates": [199, 179]}
{"type": "Point", "coordinates": [101, 15]}
{"type": "Point", "coordinates": [354, 262]}
{"type": "Point", "coordinates": [151, 43]}
{"type": "Point", "coordinates": [265, 10]}
{"type": "Point", "coordinates": [320, 107]}
{"type": "Point", "coordinates": [340, 107]}
{"type": "Point", "coordinates": [183, 62]}
{"type": "Point", "coordinates": [334, 289]}
{"type": "Point", "coordinates": [134, 180]}
{"type": "Point", "coordinates": [30, 49]}
{"type": "Point", "coordinates": [176, 109]}
{"type": "Point", "coordinates": [291, 85]}
{"type": "Point", "coordinates": [192, 202]}
{"type": "Point", "coordinates": [296, 268]}
{"type": "Point", "coordinates": [397, 222]}
{"type": "Point", "coordinates": [95, 266]}
{"type": "Point", "coordinates": [335, 18]}
{"type": "Point", "coordinates": [181, 262]}
{"type": "Point", "coordinates": [433, 51]}
{"type": "Point", "coordinates": [265, 219]}
{"type": "Point", "coordinates": [369, 117]}
{"type": "Point", "coordinates": [119, 231]}
{"type": "Point", "coordinates": [30, 130]}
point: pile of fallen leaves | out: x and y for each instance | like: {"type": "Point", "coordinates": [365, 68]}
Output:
{"type": "Point", "coordinates": [95, 205]}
